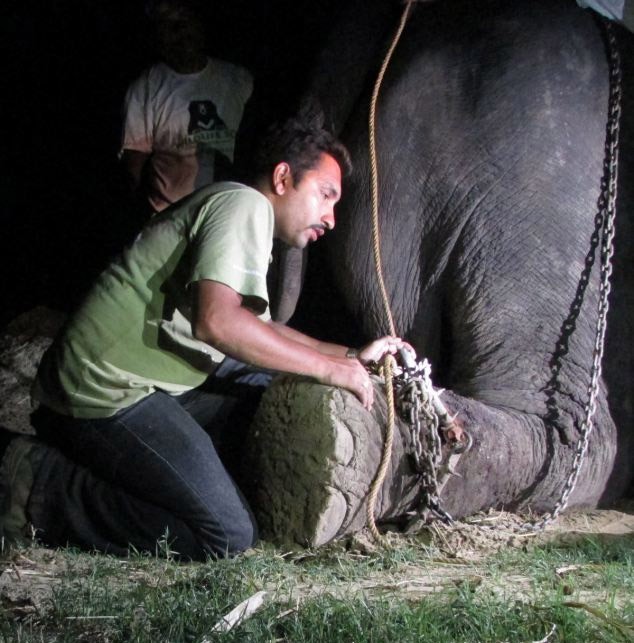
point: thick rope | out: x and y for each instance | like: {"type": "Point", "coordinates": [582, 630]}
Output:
{"type": "Point", "coordinates": [374, 169]}
{"type": "Point", "coordinates": [387, 371]}
{"type": "Point", "coordinates": [388, 360]}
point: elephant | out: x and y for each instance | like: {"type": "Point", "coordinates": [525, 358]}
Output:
{"type": "Point", "coordinates": [491, 131]}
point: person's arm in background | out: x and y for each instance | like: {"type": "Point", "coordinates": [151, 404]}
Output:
{"type": "Point", "coordinates": [134, 162]}
{"type": "Point", "coordinates": [137, 133]}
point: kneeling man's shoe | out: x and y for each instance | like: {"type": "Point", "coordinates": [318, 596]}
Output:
{"type": "Point", "coordinates": [22, 455]}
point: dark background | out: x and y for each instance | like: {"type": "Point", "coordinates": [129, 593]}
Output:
{"type": "Point", "coordinates": [64, 205]}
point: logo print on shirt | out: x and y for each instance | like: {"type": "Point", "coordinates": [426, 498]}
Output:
{"type": "Point", "coordinates": [203, 117]}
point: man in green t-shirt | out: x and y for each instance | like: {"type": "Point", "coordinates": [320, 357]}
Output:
{"type": "Point", "coordinates": [171, 347]}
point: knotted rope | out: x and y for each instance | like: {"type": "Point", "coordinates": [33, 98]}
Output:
{"type": "Point", "coordinates": [388, 360]}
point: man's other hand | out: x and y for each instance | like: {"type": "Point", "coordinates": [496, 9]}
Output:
{"type": "Point", "coordinates": [375, 350]}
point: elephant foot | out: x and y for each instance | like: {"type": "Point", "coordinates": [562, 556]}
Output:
{"type": "Point", "coordinates": [313, 452]}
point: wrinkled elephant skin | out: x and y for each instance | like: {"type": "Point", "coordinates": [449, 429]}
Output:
{"type": "Point", "coordinates": [491, 132]}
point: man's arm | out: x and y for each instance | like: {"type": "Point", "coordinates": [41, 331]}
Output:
{"type": "Point", "coordinates": [373, 352]}
{"type": "Point", "coordinates": [221, 320]}
{"type": "Point", "coordinates": [335, 350]}
{"type": "Point", "coordinates": [134, 162]}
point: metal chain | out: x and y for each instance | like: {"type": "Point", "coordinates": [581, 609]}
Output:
{"type": "Point", "coordinates": [412, 395]}
{"type": "Point", "coordinates": [604, 222]}
{"type": "Point", "coordinates": [420, 406]}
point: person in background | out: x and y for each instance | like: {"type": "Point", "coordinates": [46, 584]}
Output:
{"type": "Point", "coordinates": [181, 115]}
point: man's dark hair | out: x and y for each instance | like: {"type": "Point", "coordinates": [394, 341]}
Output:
{"type": "Point", "coordinates": [152, 7]}
{"type": "Point", "coordinates": [298, 141]}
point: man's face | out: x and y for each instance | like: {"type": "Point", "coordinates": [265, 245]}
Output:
{"type": "Point", "coordinates": [179, 33]}
{"type": "Point", "coordinates": [305, 210]}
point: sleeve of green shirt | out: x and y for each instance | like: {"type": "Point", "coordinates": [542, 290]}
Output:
{"type": "Point", "coordinates": [232, 241]}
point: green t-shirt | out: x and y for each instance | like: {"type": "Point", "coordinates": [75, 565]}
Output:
{"type": "Point", "coordinates": [132, 335]}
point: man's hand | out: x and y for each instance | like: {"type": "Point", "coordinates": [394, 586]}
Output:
{"type": "Point", "coordinates": [351, 375]}
{"type": "Point", "coordinates": [355, 378]}
{"type": "Point", "coordinates": [375, 350]}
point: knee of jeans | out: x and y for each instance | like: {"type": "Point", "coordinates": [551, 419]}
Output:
{"type": "Point", "coordinates": [237, 537]}
{"type": "Point", "coordinates": [242, 538]}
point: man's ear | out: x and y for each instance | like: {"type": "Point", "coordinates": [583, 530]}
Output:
{"type": "Point", "coordinates": [282, 178]}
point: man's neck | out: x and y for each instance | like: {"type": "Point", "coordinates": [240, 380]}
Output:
{"type": "Point", "coordinates": [190, 65]}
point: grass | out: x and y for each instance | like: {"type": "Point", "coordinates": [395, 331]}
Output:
{"type": "Point", "coordinates": [580, 591]}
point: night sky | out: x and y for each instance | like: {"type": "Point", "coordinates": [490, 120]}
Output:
{"type": "Point", "coordinates": [67, 63]}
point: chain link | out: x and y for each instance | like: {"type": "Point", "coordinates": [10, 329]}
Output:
{"type": "Point", "coordinates": [604, 224]}
{"type": "Point", "coordinates": [420, 406]}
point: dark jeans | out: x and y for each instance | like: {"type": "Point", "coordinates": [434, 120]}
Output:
{"type": "Point", "coordinates": [151, 470]}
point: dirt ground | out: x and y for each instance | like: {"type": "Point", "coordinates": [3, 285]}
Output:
{"type": "Point", "coordinates": [28, 577]}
